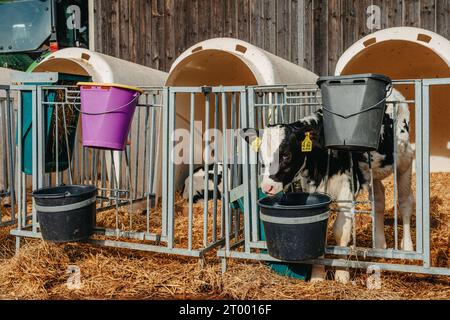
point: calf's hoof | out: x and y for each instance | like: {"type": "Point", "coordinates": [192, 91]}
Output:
{"type": "Point", "coordinates": [342, 276]}
{"type": "Point", "coordinates": [381, 244]}
{"type": "Point", "coordinates": [318, 273]}
{"type": "Point", "coordinates": [407, 245]}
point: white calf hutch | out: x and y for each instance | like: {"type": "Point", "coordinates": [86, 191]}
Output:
{"type": "Point", "coordinates": [409, 53]}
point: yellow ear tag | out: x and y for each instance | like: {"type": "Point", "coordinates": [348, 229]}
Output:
{"type": "Point", "coordinates": [307, 143]}
{"type": "Point", "coordinates": [256, 144]}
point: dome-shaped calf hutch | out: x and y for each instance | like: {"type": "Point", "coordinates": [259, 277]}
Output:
{"type": "Point", "coordinates": [409, 53]}
{"type": "Point", "coordinates": [226, 62]}
{"type": "Point", "coordinates": [102, 68]}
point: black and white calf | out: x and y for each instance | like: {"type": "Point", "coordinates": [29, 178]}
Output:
{"type": "Point", "coordinates": [284, 162]}
{"type": "Point", "coordinates": [198, 183]}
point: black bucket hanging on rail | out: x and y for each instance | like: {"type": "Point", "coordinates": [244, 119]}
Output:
{"type": "Point", "coordinates": [353, 110]}
{"type": "Point", "coordinates": [66, 213]}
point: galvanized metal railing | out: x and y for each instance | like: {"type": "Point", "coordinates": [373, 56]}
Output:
{"type": "Point", "coordinates": [122, 178]}
{"type": "Point", "coordinates": [148, 171]}
{"type": "Point", "coordinates": [7, 150]}
{"type": "Point", "coordinates": [273, 105]}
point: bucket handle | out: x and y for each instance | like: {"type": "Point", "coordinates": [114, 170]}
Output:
{"type": "Point", "coordinates": [389, 90]}
{"type": "Point", "coordinates": [67, 207]}
{"type": "Point", "coordinates": [57, 195]}
{"type": "Point", "coordinates": [136, 96]}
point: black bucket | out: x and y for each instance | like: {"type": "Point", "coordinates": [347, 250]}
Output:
{"type": "Point", "coordinates": [295, 225]}
{"type": "Point", "coordinates": [353, 110]}
{"type": "Point", "coordinates": [66, 213]}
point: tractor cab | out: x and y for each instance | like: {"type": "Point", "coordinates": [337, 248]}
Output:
{"type": "Point", "coordinates": [32, 28]}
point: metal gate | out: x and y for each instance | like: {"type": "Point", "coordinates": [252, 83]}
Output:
{"type": "Point", "coordinates": [180, 132]}
{"type": "Point", "coordinates": [280, 104]}
{"type": "Point", "coordinates": [127, 208]}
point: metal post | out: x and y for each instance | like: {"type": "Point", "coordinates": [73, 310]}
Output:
{"type": "Point", "coordinates": [225, 194]}
{"type": "Point", "coordinates": [191, 173]}
{"type": "Point", "coordinates": [394, 115]}
{"type": "Point", "coordinates": [34, 152]}
{"type": "Point", "coordinates": [206, 169]}
{"type": "Point", "coordinates": [426, 174]}
{"type": "Point", "coordinates": [372, 196]}
{"type": "Point", "coordinates": [353, 189]}
{"type": "Point", "coordinates": [166, 160]}
{"type": "Point", "coordinates": [253, 170]}
{"type": "Point", "coordinates": [419, 156]}
{"type": "Point", "coordinates": [243, 111]}
{"type": "Point", "coordinates": [11, 147]}
{"type": "Point", "coordinates": [171, 169]}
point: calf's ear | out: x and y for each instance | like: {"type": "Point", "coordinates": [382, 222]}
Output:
{"type": "Point", "coordinates": [249, 134]}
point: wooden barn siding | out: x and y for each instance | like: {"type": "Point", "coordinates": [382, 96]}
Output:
{"type": "Point", "coordinates": [311, 33]}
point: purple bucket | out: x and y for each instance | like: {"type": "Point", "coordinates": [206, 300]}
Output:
{"type": "Point", "coordinates": [107, 113]}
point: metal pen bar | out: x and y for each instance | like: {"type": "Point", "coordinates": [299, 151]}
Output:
{"type": "Point", "coordinates": [191, 171]}
{"type": "Point", "coordinates": [75, 157]}
{"type": "Point", "coordinates": [4, 147]}
{"type": "Point", "coordinates": [83, 161]}
{"type": "Point", "coordinates": [215, 161]}
{"type": "Point", "coordinates": [155, 152]}
{"type": "Point", "coordinates": [129, 183]}
{"type": "Point", "coordinates": [149, 170]}
{"type": "Point", "coordinates": [19, 167]}
{"type": "Point", "coordinates": [136, 148]}
{"type": "Point", "coordinates": [146, 139]}
{"type": "Point", "coordinates": [426, 175]}
{"type": "Point", "coordinates": [342, 263]}
{"type": "Point", "coordinates": [206, 178]}
{"type": "Point", "coordinates": [233, 166]}
{"type": "Point", "coordinates": [419, 174]}
{"type": "Point", "coordinates": [154, 146]}
{"type": "Point", "coordinates": [243, 111]}
{"type": "Point", "coordinates": [394, 115]}
{"type": "Point", "coordinates": [69, 158]}
{"type": "Point", "coordinates": [34, 152]}
{"type": "Point", "coordinates": [171, 169]}
{"type": "Point", "coordinates": [353, 188]}
{"type": "Point", "coordinates": [94, 166]}
{"type": "Point", "coordinates": [225, 193]}
{"type": "Point", "coordinates": [253, 171]}
{"type": "Point", "coordinates": [56, 142]}
{"type": "Point", "coordinates": [4, 152]}
{"type": "Point", "coordinates": [165, 162]}
{"type": "Point", "coordinates": [119, 166]}
{"type": "Point", "coordinates": [103, 175]}
{"type": "Point", "coordinates": [11, 167]}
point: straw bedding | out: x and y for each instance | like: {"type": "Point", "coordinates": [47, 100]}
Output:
{"type": "Point", "coordinates": [39, 271]}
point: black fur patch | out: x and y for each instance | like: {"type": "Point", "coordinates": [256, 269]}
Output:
{"type": "Point", "coordinates": [291, 158]}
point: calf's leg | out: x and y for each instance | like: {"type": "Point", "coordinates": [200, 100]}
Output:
{"type": "Point", "coordinates": [342, 228]}
{"type": "Point", "coordinates": [406, 204]}
{"type": "Point", "coordinates": [380, 202]}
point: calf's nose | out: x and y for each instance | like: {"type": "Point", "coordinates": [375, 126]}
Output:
{"type": "Point", "coordinates": [267, 188]}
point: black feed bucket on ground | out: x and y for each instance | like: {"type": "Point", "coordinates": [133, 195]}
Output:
{"type": "Point", "coordinates": [66, 213]}
{"type": "Point", "coordinates": [353, 110]}
{"type": "Point", "coordinates": [295, 225]}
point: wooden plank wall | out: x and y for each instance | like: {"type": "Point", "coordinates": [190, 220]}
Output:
{"type": "Point", "coordinates": [311, 33]}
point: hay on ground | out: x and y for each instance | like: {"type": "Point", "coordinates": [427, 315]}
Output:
{"type": "Point", "coordinates": [39, 271]}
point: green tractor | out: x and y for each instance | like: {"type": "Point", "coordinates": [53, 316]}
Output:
{"type": "Point", "coordinates": [32, 29]}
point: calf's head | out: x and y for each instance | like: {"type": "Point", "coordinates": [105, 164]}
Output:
{"type": "Point", "coordinates": [280, 152]}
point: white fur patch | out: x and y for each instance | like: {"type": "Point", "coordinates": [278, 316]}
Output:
{"type": "Point", "coordinates": [270, 144]}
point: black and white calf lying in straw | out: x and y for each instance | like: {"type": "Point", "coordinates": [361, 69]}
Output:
{"type": "Point", "coordinates": [284, 162]}
{"type": "Point", "coordinates": [198, 183]}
